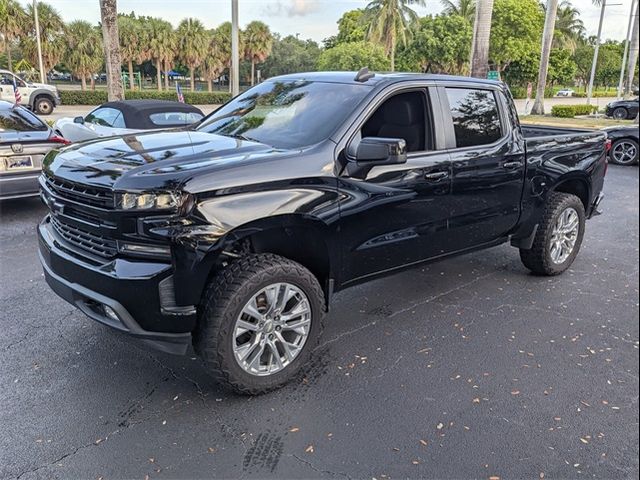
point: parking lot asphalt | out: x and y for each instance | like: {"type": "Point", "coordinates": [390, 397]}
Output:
{"type": "Point", "coordinates": [469, 368]}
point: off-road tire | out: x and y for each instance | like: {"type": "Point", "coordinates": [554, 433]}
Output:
{"type": "Point", "coordinates": [538, 258]}
{"type": "Point", "coordinates": [221, 303]}
{"type": "Point", "coordinates": [43, 105]}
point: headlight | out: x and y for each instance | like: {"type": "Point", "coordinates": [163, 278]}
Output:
{"type": "Point", "coordinates": [149, 201]}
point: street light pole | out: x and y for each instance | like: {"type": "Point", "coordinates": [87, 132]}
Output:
{"type": "Point", "coordinates": [235, 50]}
{"type": "Point", "coordinates": [37, 23]}
{"type": "Point", "coordinates": [595, 53]}
{"type": "Point", "coordinates": [626, 49]}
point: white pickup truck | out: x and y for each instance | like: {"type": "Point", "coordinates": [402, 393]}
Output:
{"type": "Point", "coordinates": [39, 97]}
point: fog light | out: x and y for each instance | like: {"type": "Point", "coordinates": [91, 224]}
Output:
{"type": "Point", "coordinates": [111, 314]}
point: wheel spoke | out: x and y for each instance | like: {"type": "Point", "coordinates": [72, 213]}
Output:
{"type": "Point", "coordinates": [243, 326]}
{"type": "Point", "coordinates": [251, 309]}
{"type": "Point", "coordinates": [290, 349]}
{"type": "Point", "coordinates": [275, 355]}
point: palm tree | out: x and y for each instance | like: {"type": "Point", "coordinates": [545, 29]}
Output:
{"type": "Point", "coordinates": [258, 45]}
{"type": "Point", "coordinates": [569, 29]}
{"type": "Point", "coordinates": [162, 44]}
{"type": "Point", "coordinates": [132, 43]}
{"type": "Point", "coordinates": [192, 45]}
{"type": "Point", "coordinates": [51, 35]}
{"type": "Point", "coordinates": [390, 21]}
{"type": "Point", "coordinates": [481, 37]}
{"type": "Point", "coordinates": [110, 37]}
{"type": "Point", "coordinates": [215, 62]}
{"type": "Point", "coordinates": [462, 8]}
{"type": "Point", "coordinates": [547, 39]}
{"type": "Point", "coordinates": [222, 36]}
{"type": "Point", "coordinates": [84, 50]}
{"type": "Point", "coordinates": [603, 5]}
{"type": "Point", "coordinates": [12, 22]}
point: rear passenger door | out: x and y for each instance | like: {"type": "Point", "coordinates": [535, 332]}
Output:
{"type": "Point", "coordinates": [488, 164]}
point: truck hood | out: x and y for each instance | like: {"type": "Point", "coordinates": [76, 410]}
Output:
{"type": "Point", "coordinates": [154, 160]}
{"type": "Point", "coordinates": [43, 86]}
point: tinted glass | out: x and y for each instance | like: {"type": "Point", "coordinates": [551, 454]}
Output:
{"type": "Point", "coordinates": [106, 117]}
{"type": "Point", "coordinates": [21, 120]}
{"type": "Point", "coordinates": [476, 119]}
{"type": "Point", "coordinates": [174, 118]}
{"type": "Point", "coordinates": [286, 114]}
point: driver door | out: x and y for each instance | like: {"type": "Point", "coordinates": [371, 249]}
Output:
{"type": "Point", "coordinates": [392, 216]}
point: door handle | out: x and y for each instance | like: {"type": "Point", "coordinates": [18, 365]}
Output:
{"type": "Point", "coordinates": [436, 176]}
{"type": "Point", "coordinates": [511, 165]}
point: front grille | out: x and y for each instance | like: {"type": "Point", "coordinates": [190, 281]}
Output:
{"type": "Point", "coordinates": [81, 193]}
{"type": "Point", "coordinates": [87, 241]}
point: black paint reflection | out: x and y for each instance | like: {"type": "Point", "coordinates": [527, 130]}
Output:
{"type": "Point", "coordinates": [476, 120]}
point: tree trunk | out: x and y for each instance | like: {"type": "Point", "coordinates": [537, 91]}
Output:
{"type": "Point", "coordinates": [92, 81]}
{"type": "Point", "coordinates": [393, 52]}
{"type": "Point", "coordinates": [166, 74]}
{"type": "Point", "coordinates": [633, 54]}
{"type": "Point", "coordinates": [132, 83]}
{"type": "Point", "coordinates": [9, 62]}
{"type": "Point", "coordinates": [594, 63]}
{"type": "Point", "coordinates": [253, 72]}
{"type": "Point", "coordinates": [481, 38]}
{"type": "Point", "coordinates": [192, 74]}
{"type": "Point", "coordinates": [159, 74]}
{"type": "Point", "coordinates": [547, 38]}
{"type": "Point", "coordinates": [109, 16]}
{"type": "Point", "coordinates": [210, 85]}
{"type": "Point", "coordinates": [83, 82]}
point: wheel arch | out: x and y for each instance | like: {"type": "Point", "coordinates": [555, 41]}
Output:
{"type": "Point", "coordinates": [303, 239]}
{"type": "Point", "coordinates": [577, 184]}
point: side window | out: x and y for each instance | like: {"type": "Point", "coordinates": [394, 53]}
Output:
{"type": "Point", "coordinates": [21, 120]}
{"type": "Point", "coordinates": [6, 79]}
{"type": "Point", "coordinates": [106, 117]}
{"type": "Point", "coordinates": [476, 118]}
{"type": "Point", "coordinates": [401, 116]}
{"type": "Point", "coordinates": [174, 118]}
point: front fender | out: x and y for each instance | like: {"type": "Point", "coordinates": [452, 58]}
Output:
{"type": "Point", "coordinates": [220, 222]}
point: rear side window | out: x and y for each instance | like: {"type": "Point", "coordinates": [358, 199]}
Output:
{"type": "Point", "coordinates": [21, 120]}
{"type": "Point", "coordinates": [174, 118]}
{"type": "Point", "coordinates": [476, 119]}
{"type": "Point", "coordinates": [106, 117]}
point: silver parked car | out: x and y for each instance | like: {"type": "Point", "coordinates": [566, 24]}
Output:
{"type": "Point", "coordinates": [24, 141]}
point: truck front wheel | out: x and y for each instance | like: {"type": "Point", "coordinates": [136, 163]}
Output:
{"type": "Point", "coordinates": [559, 236]}
{"type": "Point", "coordinates": [43, 105]}
{"type": "Point", "coordinates": [259, 321]}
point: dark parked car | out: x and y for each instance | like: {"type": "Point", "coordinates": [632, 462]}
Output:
{"type": "Point", "coordinates": [24, 141]}
{"type": "Point", "coordinates": [624, 144]}
{"type": "Point", "coordinates": [623, 109]}
{"type": "Point", "coordinates": [127, 116]}
{"type": "Point", "coordinates": [233, 235]}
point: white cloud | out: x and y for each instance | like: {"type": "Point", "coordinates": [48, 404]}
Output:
{"type": "Point", "coordinates": [292, 8]}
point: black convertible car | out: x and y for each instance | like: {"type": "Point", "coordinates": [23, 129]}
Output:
{"type": "Point", "coordinates": [623, 109]}
{"type": "Point", "coordinates": [624, 145]}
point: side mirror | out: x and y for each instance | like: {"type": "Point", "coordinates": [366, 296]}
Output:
{"type": "Point", "coordinates": [381, 151]}
{"type": "Point", "coordinates": [79, 120]}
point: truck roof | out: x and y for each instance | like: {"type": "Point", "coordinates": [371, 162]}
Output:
{"type": "Point", "coordinates": [379, 78]}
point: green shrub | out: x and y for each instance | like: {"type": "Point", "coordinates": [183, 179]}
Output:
{"type": "Point", "coordinates": [585, 109]}
{"type": "Point", "coordinates": [563, 111]}
{"type": "Point", "coordinates": [97, 97]}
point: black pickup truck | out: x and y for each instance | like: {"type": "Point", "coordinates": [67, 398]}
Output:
{"type": "Point", "coordinates": [232, 235]}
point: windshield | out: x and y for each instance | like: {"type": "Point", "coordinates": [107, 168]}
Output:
{"type": "Point", "coordinates": [286, 114]}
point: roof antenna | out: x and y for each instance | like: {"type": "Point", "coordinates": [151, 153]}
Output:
{"type": "Point", "coordinates": [364, 74]}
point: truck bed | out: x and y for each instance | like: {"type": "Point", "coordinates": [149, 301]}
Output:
{"type": "Point", "coordinates": [557, 142]}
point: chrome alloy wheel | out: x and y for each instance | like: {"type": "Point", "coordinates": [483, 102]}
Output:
{"type": "Point", "coordinates": [564, 236]}
{"type": "Point", "coordinates": [624, 152]}
{"type": "Point", "coordinates": [271, 329]}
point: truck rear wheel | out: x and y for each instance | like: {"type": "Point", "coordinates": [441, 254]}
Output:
{"type": "Point", "coordinates": [260, 319]}
{"type": "Point", "coordinates": [559, 236]}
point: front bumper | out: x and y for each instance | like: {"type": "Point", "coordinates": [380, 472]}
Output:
{"type": "Point", "coordinates": [123, 294]}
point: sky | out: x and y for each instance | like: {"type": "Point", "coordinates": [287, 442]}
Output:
{"type": "Point", "coordinates": [314, 19]}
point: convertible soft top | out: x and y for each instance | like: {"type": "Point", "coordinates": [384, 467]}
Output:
{"type": "Point", "coordinates": [136, 112]}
